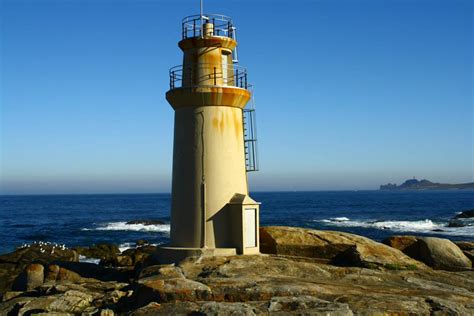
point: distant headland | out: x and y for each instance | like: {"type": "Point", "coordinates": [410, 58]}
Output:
{"type": "Point", "coordinates": [415, 184]}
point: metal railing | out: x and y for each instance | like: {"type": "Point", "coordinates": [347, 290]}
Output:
{"type": "Point", "coordinates": [193, 25]}
{"type": "Point", "coordinates": [202, 74]}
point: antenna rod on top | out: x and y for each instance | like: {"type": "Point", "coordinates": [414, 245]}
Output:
{"type": "Point", "coordinates": [202, 26]}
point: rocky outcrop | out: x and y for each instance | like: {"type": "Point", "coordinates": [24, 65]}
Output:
{"type": "Point", "coordinates": [465, 214]}
{"type": "Point", "coordinates": [400, 242]}
{"type": "Point", "coordinates": [153, 288]}
{"type": "Point", "coordinates": [14, 263]}
{"type": "Point", "coordinates": [437, 253]}
{"type": "Point", "coordinates": [275, 284]}
{"type": "Point", "coordinates": [43, 253]}
{"type": "Point", "coordinates": [467, 248]}
{"type": "Point", "coordinates": [261, 278]}
{"type": "Point", "coordinates": [307, 305]}
{"type": "Point", "coordinates": [331, 246]}
{"type": "Point", "coordinates": [464, 218]}
{"type": "Point", "coordinates": [414, 184]}
{"type": "Point", "coordinates": [73, 270]}
{"type": "Point", "coordinates": [140, 254]}
{"type": "Point", "coordinates": [110, 255]}
{"type": "Point", "coordinates": [162, 271]}
{"type": "Point", "coordinates": [130, 257]}
{"type": "Point", "coordinates": [101, 251]}
{"type": "Point", "coordinates": [67, 299]}
{"type": "Point", "coordinates": [71, 302]}
{"type": "Point", "coordinates": [30, 278]}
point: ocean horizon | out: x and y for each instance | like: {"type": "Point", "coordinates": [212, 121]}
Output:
{"type": "Point", "coordinates": [86, 219]}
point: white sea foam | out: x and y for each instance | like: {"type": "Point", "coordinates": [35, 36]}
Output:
{"type": "Point", "coordinates": [422, 226]}
{"type": "Point", "coordinates": [88, 260]}
{"type": "Point", "coordinates": [339, 219]}
{"type": "Point", "coordinates": [130, 245]}
{"type": "Point", "coordinates": [125, 246]}
{"type": "Point", "coordinates": [123, 226]}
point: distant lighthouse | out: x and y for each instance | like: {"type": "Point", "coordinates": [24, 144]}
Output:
{"type": "Point", "coordinates": [214, 145]}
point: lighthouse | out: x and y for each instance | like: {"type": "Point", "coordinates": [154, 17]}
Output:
{"type": "Point", "coordinates": [214, 145]}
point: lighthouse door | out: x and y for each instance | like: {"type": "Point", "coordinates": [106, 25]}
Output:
{"type": "Point", "coordinates": [250, 229]}
{"type": "Point", "coordinates": [224, 69]}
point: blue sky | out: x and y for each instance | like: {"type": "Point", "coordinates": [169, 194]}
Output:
{"type": "Point", "coordinates": [349, 94]}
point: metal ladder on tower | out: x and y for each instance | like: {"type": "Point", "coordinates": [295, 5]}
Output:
{"type": "Point", "coordinates": [250, 137]}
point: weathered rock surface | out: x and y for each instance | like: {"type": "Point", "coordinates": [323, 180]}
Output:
{"type": "Point", "coordinates": [176, 308]}
{"type": "Point", "coordinates": [223, 308]}
{"type": "Point", "coordinates": [14, 263]}
{"type": "Point", "coordinates": [43, 253]}
{"type": "Point", "coordinates": [71, 271]}
{"type": "Point", "coordinates": [71, 302]}
{"type": "Point", "coordinates": [101, 251]}
{"type": "Point", "coordinates": [139, 254]}
{"type": "Point", "coordinates": [307, 305]}
{"type": "Point", "coordinates": [279, 284]}
{"type": "Point", "coordinates": [465, 218]}
{"type": "Point", "coordinates": [130, 257]}
{"type": "Point", "coordinates": [336, 247]}
{"type": "Point", "coordinates": [168, 271]}
{"type": "Point", "coordinates": [152, 289]}
{"type": "Point", "coordinates": [467, 248]}
{"type": "Point", "coordinates": [261, 278]}
{"type": "Point", "coordinates": [437, 253]}
{"type": "Point", "coordinates": [465, 214]}
{"type": "Point", "coordinates": [400, 242]}
{"type": "Point", "coordinates": [30, 278]}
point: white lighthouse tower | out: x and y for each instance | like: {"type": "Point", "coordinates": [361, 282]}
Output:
{"type": "Point", "coordinates": [214, 146]}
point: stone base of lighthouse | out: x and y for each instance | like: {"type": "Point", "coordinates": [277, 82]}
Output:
{"type": "Point", "coordinates": [241, 234]}
{"type": "Point", "coordinates": [165, 255]}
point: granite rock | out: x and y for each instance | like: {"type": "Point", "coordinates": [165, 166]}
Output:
{"type": "Point", "coordinates": [14, 263]}
{"type": "Point", "coordinates": [100, 251]}
{"type": "Point", "coordinates": [308, 305]}
{"type": "Point", "coordinates": [267, 284]}
{"type": "Point", "coordinates": [157, 289]}
{"type": "Point", "coordinates": [467, 248]}
{"type": "Point", "coordinates": [30, 278]}
{"type": "Point", "coordinates": [438, 253]}
{"type": "Point", "coordinates": [331, 246]}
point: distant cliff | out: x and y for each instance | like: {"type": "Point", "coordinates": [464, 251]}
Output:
{"type": "Point", "coordinates": [414, 184]}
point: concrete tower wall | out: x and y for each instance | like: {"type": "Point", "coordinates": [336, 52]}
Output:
{"type": "Point", "coordinates": [210, 171]}
{"type": "Point", "coordinates": [209, 189]}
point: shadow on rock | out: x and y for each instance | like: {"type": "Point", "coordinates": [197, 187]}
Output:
{"type": "Point", "coordinates": [94, 271]}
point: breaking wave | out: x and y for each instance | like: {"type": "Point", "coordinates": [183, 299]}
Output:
{"type": "Point", "coordinates": [88, 260]}
{"type": "Point", "coordinates": [422, 226]}
{"type": "Point", "coordinates": [123, 226]}
{"type": "Point", "coordinates": [125, 246]}
{"type": "Point", "coordinates": [336, 219]}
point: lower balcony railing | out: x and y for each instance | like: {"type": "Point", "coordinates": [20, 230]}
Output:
{"type": "Point", "coordinates": [201, 75]}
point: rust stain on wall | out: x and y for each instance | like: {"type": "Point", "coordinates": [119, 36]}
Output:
{"type": "Point", "coordinates": [218, 121]}
{"type": "Point", "coordinates": [237, 124]}
{"type": "Point", "coordinates": [222, 124]}
{"type": "Point", "coordinates": [215, 122]}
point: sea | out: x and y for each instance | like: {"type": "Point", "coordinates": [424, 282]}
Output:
{"type": "Point", "coordinates": [84, 220]}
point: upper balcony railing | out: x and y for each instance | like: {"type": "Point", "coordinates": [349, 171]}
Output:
{"type": "Point", "coordinates": [194, 26]}
{"type": "Point", "coordinates": [202, 75]}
